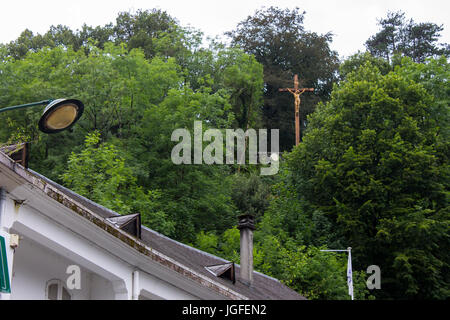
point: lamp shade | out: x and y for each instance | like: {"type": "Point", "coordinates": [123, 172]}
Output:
{"type": "Point", "coordinates": [60, 114]}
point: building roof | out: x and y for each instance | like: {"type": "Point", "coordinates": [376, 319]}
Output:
{"type": "Point", "coordinates": [179, 257]}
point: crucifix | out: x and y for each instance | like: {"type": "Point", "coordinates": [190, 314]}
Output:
{"type": "Point", "coordinates": [296, 91]}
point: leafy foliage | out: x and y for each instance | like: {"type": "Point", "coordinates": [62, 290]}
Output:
{"type": "Point", "coordinates": [372, 171]}
{"type": "Point", "coordinates": [111, 183]}
{"type": "Point", "coordinates": [374, 163]}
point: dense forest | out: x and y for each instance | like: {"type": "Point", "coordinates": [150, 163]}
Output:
{"type": "Point", "coordinates": [371, 171]}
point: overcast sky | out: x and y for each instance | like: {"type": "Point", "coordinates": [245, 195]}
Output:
{"type": "Point", "coordinates": [351, 21]}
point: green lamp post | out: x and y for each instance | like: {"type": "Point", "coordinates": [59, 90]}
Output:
{"type": "Point", "coordinates": [60, 114]}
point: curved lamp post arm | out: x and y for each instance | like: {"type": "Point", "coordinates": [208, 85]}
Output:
{"type": "Point", "coordinates": [27, 105]}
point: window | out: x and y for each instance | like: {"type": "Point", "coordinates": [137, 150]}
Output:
{"type": "Point", "coordinates": [57, 291]}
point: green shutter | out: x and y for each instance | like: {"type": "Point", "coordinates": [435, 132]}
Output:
{"type": "Point", "coordinates": [4, 274]}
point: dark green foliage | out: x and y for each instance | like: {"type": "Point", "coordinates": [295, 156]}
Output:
{"type": "Point", "coordinates": [320, 275]}
{"type": "Point", "coordinates": [277, 39]}
{"type": "Point", "coordinates": [374, 163]}
{"type": "Point", "coordinates": [153, 31]}
{"type": "Point", "coordinates": [240, 74]}
{"type": "Point", "coordinates": [372, 171]}
{"type": "Point", "coordinates": [357, 60]}
{"type": "Point", "coordinates": [135, 104]}
{"type": "Point", "coordinates": [197, 197]}
{"type": "Point", "coordinates": [111, 183]}
{"type": "Point", "coordinates": [398, 36]}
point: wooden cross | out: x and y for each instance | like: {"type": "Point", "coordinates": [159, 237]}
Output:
{"type": "Point", "coordinates": [296, 92]}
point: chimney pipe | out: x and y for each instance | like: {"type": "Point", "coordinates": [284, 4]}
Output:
{"type": "Point", "coordinates": [246, 226]}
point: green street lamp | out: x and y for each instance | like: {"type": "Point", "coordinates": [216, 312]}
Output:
{"type": "Point", "coordinates": [60, 114]}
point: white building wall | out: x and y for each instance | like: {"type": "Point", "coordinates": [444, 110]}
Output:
{"type": "Point", "coordinates": [34, 266]}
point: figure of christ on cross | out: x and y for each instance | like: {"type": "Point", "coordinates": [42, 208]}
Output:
{"type": "Point", "coordinates": [296, 91]}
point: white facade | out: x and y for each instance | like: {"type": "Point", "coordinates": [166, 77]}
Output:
{"type": "Point", "coordinates": [55, 233]}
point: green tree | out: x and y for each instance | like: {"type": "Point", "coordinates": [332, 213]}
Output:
{"type": "Point", "coordinates": [242, 76]}
{"type": "Point", "coordinates": [116, 86]}
{"type": "Point", "coordinates": [321, 275]}
{"type": "Point", "coordinates": [197, 197]}
{"type": "Point", "coordinates": [374, 162]}
{"type": "Point", "coordinates": [97, 35]}
{"type": "Point", "coordinates": [231, 69]}
{"type": "Point", "coordinates": [415, 40]}
{"type": "Point", "coordinates": [359, 59]}
{"type": "Point", "coordinates": [155, 32]}
{"type": "Point", "coordinates": [250, 194]}
{"type": "Point", "coordinates": [26, 42]}
{"type": "Point", "coordinates": [100, 173]}
{"type": "Point", "coordinates": [387, 41]}
{"type": "Point", "coordinates": [291, 218]}
{"type": "Point", "coordinates": [278, 40]}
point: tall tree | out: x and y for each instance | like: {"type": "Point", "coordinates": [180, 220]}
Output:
{"type": "Point", "coordinates": [278, 40]}
{"type": "Point", "coordinates": [242, 76]}
{"type": "Point", "coordinates": [388, 41]}
{"type": "Point", "coordinates": [421, 41]}
{"type": "Point", "coordinates": [415, 40]}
